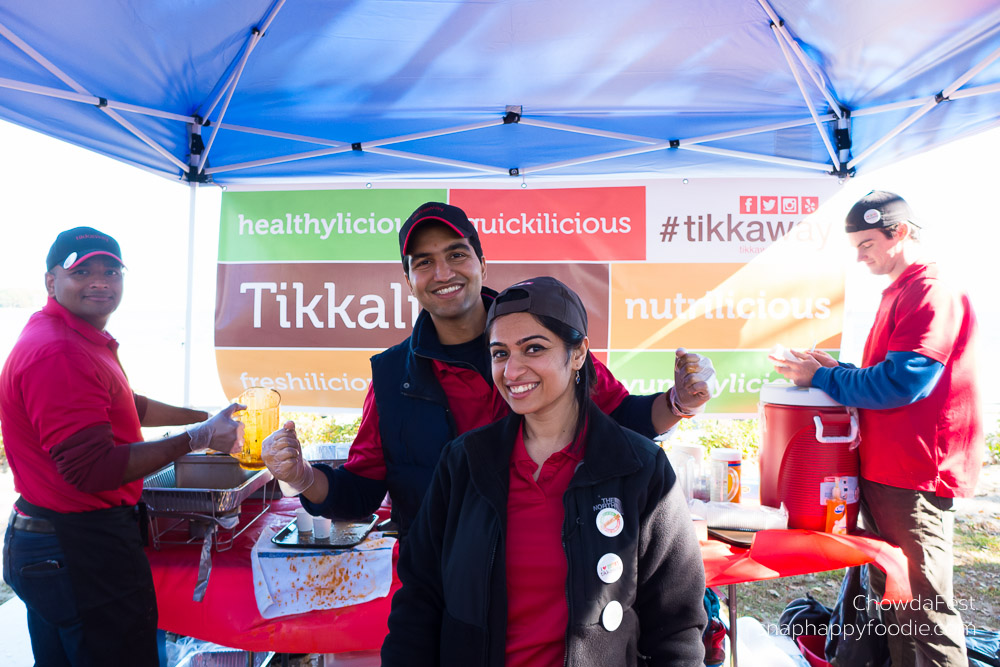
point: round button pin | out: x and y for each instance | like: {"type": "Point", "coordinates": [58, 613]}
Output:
{"type": "Point", "coordinates": [612, 615]}
{"type": "Point", "coordinates": [609, 568]}
{"type": "Point", "coordinates": [610, 522]}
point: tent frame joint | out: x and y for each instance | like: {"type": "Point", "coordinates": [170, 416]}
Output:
{"type": "Point", "coordinates": [197, 176]}
{"type": "Point", "coordinates": [514, 171]}
{"type": "Point", "coordinates": [102, 102]}
{"type": "Point", "coordinates": [941, 97]}
{"type": "Point", "coordinates": [675, 143]}
{"type": "Point", "coordinates": [356, 146]}
{"type": "Point", "coordinates": [197, 144]}
{"type": "Point", "coordinates": [512, 115]}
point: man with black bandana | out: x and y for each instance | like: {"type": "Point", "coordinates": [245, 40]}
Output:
{"type": "Point", "coordinates": [71, 431]}
{"type": "Point", "coordinates": [437, 384]}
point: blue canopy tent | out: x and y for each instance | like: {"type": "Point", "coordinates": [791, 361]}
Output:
{"type": "Point", "coordinates": [292, 91]}
{"type": "Point", "coordinates": [242, 91]}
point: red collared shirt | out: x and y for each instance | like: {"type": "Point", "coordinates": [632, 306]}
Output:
{"type": "Point", "coordinates": [537, 608]}
{"type": "Point", "coordinates": [936, 443]}
{"type": "Point", "coordinates": [62, 376]}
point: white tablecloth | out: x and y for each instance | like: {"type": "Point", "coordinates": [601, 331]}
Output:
{"type": "Point", "coordinates": [296, 580]}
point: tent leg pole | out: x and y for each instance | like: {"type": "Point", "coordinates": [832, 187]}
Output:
{"type": "Point", "coordinates": [192, 200]}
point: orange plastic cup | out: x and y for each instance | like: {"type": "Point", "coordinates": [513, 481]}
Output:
{"type": "Point", "coordinates": [260, 420]}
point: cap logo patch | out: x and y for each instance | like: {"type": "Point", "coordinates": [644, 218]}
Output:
{"type": "Point", "coordinates": [69, 260]}
{"type": "Point", "coordinates": [872, 216]}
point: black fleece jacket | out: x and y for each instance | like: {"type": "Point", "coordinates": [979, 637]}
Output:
{"type": "Point", "coordinates": [452, 608]}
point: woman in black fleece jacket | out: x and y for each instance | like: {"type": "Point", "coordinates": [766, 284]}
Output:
{"type": "Point", "coordinates": [553, 536]}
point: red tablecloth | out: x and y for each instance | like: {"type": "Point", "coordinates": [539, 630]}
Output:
{"type": "Point", "coordinates": [228, 614]}
{"type": "Point", "coordinates": [786, 553]}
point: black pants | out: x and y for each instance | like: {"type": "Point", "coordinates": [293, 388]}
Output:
{"type": "Point", "coordinates": [106, 611]}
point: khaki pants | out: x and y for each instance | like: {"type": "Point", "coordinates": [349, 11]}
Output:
{"type": "Point", "coordinates": [928, 631]}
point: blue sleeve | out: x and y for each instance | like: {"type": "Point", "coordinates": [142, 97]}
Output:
{"type": "Point", "coordinates": [350, 495]}
{"type": "Point", "coordinates": [636, 413]}
{"type": "Point", "coordinates": [903, 378]}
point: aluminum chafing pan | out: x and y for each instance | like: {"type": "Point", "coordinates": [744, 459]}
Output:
{"type": "Point", "coordinates": [221, 486]}
{"type": "Point", "coordinates": [330, 453]}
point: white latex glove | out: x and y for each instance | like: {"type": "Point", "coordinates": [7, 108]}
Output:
{"type": "Point", "coordinates": [282, 455]}
{"type": "Point", "coordinates": [694, 383]}
{"type": "Point", "coordinates": [220, 432]}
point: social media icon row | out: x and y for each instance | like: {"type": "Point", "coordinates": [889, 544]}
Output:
{"type": "Point", "coordinates": [775, 204]}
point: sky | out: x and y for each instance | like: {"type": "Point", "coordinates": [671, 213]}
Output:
{"type": "Point", "coordinates": [49, 185]}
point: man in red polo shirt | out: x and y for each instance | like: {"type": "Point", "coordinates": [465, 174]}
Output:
{"type": "Point", "coordinates": [921, 422]}
{"type": "Point", "coordinates": [437, 384]}
{"type": "Point", "coordinates": [71, 431]}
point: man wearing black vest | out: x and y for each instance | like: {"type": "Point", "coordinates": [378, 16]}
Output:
{"type": "Point", "coordinates": [436, 384]}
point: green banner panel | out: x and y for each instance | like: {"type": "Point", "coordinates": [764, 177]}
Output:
{"type": "Point", "coordinates": [740, 373]}
{"type": "Point", "coordinates": [323, 225]}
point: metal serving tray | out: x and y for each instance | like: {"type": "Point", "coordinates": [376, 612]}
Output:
{"type": "Point", "coordinates": [331, 453]}
{"type": "Point", "coordinates": [222, 487]}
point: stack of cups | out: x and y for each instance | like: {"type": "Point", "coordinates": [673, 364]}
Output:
{"type": "Point", "coordinates": [303, 521]}
{"type": "Point", "coordinates": [725, 468]}
{"type": "Point", "coordinates": [321, 527]}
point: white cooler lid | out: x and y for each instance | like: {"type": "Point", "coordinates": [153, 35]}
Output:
{"type": "Point", "coordinates": [780, 393]}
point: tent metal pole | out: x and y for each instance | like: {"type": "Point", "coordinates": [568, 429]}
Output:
{"type": "Point", "coordinates": [192, 200]}
{"type": "Point", "coordinates": [65, 78]}
{"type": "Point", "coordinates": [805, 96]}
{"type": "Point", "coordinates": [698, 148]}
{"type": "Point", "coordinates": [139, 134]}
{"type": "Point", "coordinates": [370, 148]}
{"type": "Point", "coordinates": [438, 160]}
{"type": "Point", "coordinates": [650, 140]}
{"type": "Point", "coordinates": [93, 100]}
{"type": "Point", "coordinates": [238, 72]}
{"type": "Point", "coordinates": [367, 145]}
{"type": "Point", "coordinates": [563, 127]}
{"type": "Point", "coordinates": [925, 108]}
{"type": "Point", "coordinates": [818, 166]}
{"type": "Point", "coordinates": [41, 60]}
{"type": "Point", "coordinates": [83, 98]}
{"type": "Point", "coordinates": [778, 25]}
{"type": "Point", "coordinates": [974, 92]}
{"type": "Point", "coordinates": [249, 46]}
{"type": "Point", "coordinates": [276, 160]}
{"type": "Point", "coordinates": [638, 150]}
{"type": "Point", "coordinates": [375, 142]}
{"type": "Point", "coordinates": [755, 130]}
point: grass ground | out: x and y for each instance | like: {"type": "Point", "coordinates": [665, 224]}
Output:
{"type": "Point", "coordinates": [977, 568]}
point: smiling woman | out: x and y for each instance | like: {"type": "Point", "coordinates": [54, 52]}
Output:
{"type": "Point", "coordinates": [574, 522]}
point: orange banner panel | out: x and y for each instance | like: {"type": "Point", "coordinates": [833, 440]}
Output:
{"type": "Point", "coordinates": [304, 378]}
{"type": "Point", "coordinates": [724, 306]}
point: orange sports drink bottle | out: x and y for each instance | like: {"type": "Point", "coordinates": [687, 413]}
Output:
{"type": "Point", "coordinates": [260, 420]}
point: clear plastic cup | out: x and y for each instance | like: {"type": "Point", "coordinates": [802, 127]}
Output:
{"type": "Point", "coordinates": [260, 420]}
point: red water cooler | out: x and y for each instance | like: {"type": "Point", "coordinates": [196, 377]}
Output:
{"type": "Point", "coordinates": [805, 454]}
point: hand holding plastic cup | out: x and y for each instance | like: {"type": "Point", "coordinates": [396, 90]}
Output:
{"type": "Point", "coordinates": [282, 454]}
{"type": "Point", "coordinates": [260, 419]}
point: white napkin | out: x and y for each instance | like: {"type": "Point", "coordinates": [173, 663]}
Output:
{"type": "Point", "coordinates": [292, 581]}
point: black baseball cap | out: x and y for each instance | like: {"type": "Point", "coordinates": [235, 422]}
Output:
{"type": "Point", "coordinates": [541, 296]}
{"type": "Point", "coordinates": [877, 209]}
{"type": "Point", "coordinates": [80, 244]}
{"type": "Point", "coordinates": [446, 214]}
